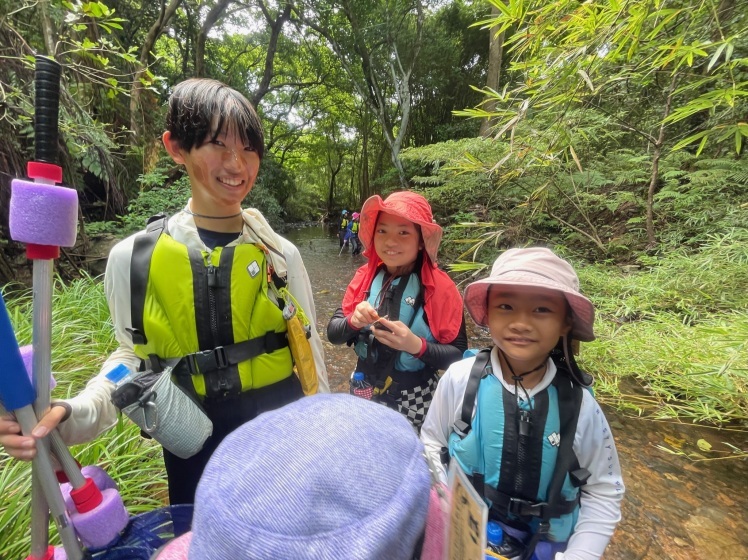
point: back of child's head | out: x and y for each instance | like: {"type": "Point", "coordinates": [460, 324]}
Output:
{"type": "Point", "coordinates": [200, 109]}
{"type": "Point", "coordinates": [328, 476]}
{"type": "Point", "coordinates": [534, 267]}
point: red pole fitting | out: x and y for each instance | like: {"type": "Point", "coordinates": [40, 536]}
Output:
{"type": "Point", "coordinates": [87, 497]}
{"type": "Point", "coordinates": [62, 478]}
{"type": "Point", "coordinates": [41, 170]}
{"type": "Point", "coordinates": [42, 252]}
{"type": "Point", "coordinates": [49, 555]}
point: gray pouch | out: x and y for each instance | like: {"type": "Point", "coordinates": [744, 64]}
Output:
{"type": "Point", "coordinates": [170, 416]}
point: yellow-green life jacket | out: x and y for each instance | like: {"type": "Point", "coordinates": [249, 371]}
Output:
{"type": "Point", "coordinates": [212, 310]}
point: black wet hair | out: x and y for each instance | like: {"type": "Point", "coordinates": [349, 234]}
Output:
{"type": "Point", "coordinates": [200, 109]}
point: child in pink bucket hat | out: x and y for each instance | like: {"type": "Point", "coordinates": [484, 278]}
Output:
{"type": "Point", "coordinates": [518, 419]}
{"type": "Point", "coordinates": [401, 313]}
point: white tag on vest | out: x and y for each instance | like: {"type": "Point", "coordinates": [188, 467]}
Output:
{"type": "Point", "coordinates": [253, 268]}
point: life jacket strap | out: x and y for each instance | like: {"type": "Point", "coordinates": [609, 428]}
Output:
{"type": "Point", "coordinates": [503, 505]}
{"type": "Point", "coordinates": [481, 368]}
{"type": "Point", "coordinates": [206, 361]}
{"type": "Point", "coordinates": [140, 265]}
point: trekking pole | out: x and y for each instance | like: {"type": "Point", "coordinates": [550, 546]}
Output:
{"type": "Point", "coordinates": [343, 247]}
{"type": "Point", "coordinates": [45, 217]}
{"type": "Point", "coordinates": [18, 395]}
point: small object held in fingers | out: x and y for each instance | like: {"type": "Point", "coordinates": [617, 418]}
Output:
{"type": "Point", "coordinates": [377, 324]}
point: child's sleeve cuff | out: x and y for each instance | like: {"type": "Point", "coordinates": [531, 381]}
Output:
{"type": "Point", "coordinates": [422, 351]}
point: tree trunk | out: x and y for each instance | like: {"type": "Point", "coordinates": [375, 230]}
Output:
{"type": "Point", "coordinates": [145, 52]}
{"type": "Point", "coordinates": [493, 78]}
{"type": "Point", "coordinates": [276, 26]}
{"type": "Point", "coordinates": [365, 189]}
{"type": "Point", "coordinates": [656, 154]}
{"type": "Point", "coordinates": [210, 20]}
{"type": "Point", "coordinates": [47, 28]}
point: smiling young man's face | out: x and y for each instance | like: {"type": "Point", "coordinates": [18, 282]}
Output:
{"type": "Point", "coordinates": [526, 323]}
{"type": "Point", "coordinates": [222, 171]}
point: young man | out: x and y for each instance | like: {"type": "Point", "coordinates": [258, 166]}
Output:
{"type": "Point", "coordinates": [198, 288]}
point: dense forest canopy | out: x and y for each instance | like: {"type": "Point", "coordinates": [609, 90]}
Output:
{"type": "Point", "coordinates": [611, 127]}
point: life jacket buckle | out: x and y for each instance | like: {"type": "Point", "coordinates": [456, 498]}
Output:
{"type": "Point", "coordinates": [525, 508]}
{"type": "Point", "coordinates": [207, 360]}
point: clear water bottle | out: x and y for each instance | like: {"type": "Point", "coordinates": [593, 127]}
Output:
{"type": "Point", "coordinates": [501, 544]}
{"type": "Point", "coordinates": [360, 387]}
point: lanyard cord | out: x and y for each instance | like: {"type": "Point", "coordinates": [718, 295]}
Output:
{"type": "Point", "coordinates": [518, 378]}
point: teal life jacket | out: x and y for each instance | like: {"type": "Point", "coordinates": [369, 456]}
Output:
{"type": "Point", "coordinates": [519, 456]}
{"type": "Point", "coordinates": [402, 301]}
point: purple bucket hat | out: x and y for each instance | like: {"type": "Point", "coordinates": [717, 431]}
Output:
{"type": "Point", "coordinates": [538, 267]}
{"type": "Point", "coordinates": [327, 477]}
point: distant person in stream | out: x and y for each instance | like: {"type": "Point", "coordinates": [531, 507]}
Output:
{"type": "Point", "coordinates": [201, 295]}
{"type": "Point", "coordinates": [401, 313]}
{"type": "Point", "coordinates": [519, 420]}
{"type": "Point", "coordinates": [343, 226]}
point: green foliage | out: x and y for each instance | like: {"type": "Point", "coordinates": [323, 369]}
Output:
{"type": "Point", "coordinates": [82, 336]}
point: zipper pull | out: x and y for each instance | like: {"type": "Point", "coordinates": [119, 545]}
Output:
{"type": "Point", "coordinates": [525, 423]}
{"type": "Point", "coordinates": [212, 276]}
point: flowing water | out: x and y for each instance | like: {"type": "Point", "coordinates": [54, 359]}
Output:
{"type": "Point", "coordinates": [673, 508]}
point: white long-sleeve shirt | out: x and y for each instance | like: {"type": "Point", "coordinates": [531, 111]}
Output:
{"type": "Point", "coordinates": [92, 410]}
{"type": "Point", "coordinates": [600, 504]}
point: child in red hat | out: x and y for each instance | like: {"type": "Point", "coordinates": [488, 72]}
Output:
{"type": "Point", "coordinates": [402, 315]}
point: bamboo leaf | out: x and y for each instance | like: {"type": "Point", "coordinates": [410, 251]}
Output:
{"type": "Point", "coordinates": [715, 56]}
{"type": "Point", "coordinates": [576, 159]}
{"type": "Point", "coordinates": [586, 79]}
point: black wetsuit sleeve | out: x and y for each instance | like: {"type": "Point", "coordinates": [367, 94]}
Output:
{"type": "Point", "coordinates": [441, 356]}
{"type": "Point", "coordinates": [338, 329]}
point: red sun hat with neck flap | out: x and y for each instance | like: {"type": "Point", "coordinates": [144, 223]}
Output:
{"type": "Point", "coordinates": [445, 318]}
{"type": "Point", "coordinates": [405, 204]}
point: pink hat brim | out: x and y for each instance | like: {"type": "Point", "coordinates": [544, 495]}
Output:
{"type": "Point", "coordinates": [175, 549]}
{"type": "Point", "coordinates": [583, 312]}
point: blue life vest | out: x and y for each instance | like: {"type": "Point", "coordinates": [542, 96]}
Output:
{"type": "Point", "coordinates": [520, 457]}
{"type": "Point", "coordinates": [409, 311]}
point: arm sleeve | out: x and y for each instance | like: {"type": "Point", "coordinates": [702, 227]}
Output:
{"type": "Point", "coordinates": [600, 506]}
{"type": "Point", "coordinates": [301, 288]}
{"type": "Point", "coordinates": [339, 330]}
{"type": "Point", "coordinates": [443, 412]}
{"type": "Point", "coordinates": [92, 411]}
{"type": "Point", "coordinates": [441, 356]}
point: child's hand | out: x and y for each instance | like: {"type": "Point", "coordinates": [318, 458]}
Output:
{"type": "Point", "coordinates": [24, 447]}
{"type": "Point", "coordinates": [396, 335]}
{"type": "Point", "coordinates": [363, 315]}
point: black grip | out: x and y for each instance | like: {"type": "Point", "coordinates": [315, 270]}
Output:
{"type": "Point", "coordinates": [46, 109]}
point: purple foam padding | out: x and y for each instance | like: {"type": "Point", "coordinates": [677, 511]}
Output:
{"type": "Point", "coordinates": [100, 478]}
{"type": "Point", "coordinates": [43, 214]}
{"type": "Point", "coordinates": [27, 354]}
{"type": "Point", "coordinates": [100, 526]}
{"type": "Point", "coordinates": [60, 553]}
